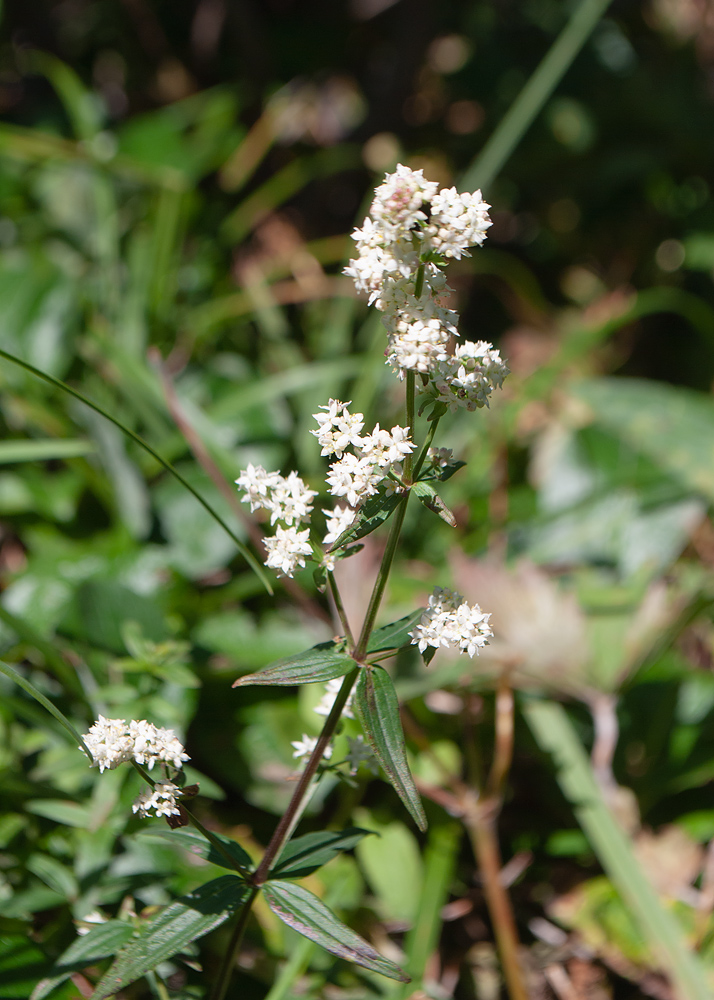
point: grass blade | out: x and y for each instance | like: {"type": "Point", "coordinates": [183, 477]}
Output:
{"type": "Point", "coordinates": [59, 384]}
{"type": "Point", "coordinates": [555, 734]}
{"type": "Point", "coordinates": [541, 84]}
{"type": "Point", "coordinates": [22, 682]}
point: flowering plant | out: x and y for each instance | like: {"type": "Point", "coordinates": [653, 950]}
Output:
{"type": "Point", "coordinates": [411, 233]}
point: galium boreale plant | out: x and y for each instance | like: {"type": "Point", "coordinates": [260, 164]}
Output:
{"type": "Point", "coordinates": [412, 231]}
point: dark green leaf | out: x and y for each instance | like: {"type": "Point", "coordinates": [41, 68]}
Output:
{"type": "Point", "coordinates": [21, 962]}
{"type": "Point", "coordinates": [169, 933]}
{"type": "Point", "coordinates": [196, 843]}
{"type": "Point", "coordinates": [432, 501]}
{"type": "Point", "coordinates": [321, 663]}
{"type": "Point", "coordinates": [102, 941]}
{"type": "Point", "coordinates": [441, 474]}
{"type": "Point", "coordinates": [378, 710]}
{"type": "Point", "coordinates": [305, 855]}
{"type": "Point", "coordinates": [306, 914]}
{"type": "Point", "coordinates": [395, 635]}
{"type": "Point", "coordinates": [374, 512]}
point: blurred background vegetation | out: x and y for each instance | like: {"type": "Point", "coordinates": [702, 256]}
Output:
{"type": "Point", "coordinates": [178, 181]}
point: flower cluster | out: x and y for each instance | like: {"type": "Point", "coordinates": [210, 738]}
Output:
{"type": "Point", "coordinates": [450, 622]}
{"type": "Point", "coordinates": [113, 742]}
{"type": "Point", "coordinates": [162, 800]}
{"type": "Point", "coordinates": [411, 232]}
{"type": "Point", "coordinates": [287, 500]}
{"type": "Point", "coordinates": [356, 474]}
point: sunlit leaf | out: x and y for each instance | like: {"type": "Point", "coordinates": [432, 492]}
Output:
{"type": "Point", "coordinates": [304, 855]}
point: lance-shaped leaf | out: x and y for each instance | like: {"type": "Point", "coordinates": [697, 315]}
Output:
{"type": "Point", "coordinates": [196, 843]}
{"type": "Point", "coordinates": [433, 502]}
{"type": "Point", "coordinates": [102, 941]}
{"type": "Point", "coordinates": [377, 708]}
{"type": "Point", "coordinates": [371, 514]}
{"type": "Point", "coordinates": [442, 473]}
{"type": "Point", "coordinates": [306, 854]}
{"type": "Point", "coordinates": [396, 635]}
{"type": "Point", "coordinates": [172, 930]}
{"type": "Point", "coordinates": [309, 916]}
{"type": "Point", "coordinates": [320, 663]}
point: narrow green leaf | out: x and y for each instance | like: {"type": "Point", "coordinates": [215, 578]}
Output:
{"type": "Point", "coordinates": [372, 514]}
{"type": "Point", "coordinates": [555, 734]}
{"type": "Point", "coordinates": [309, 916]}
{"type": "Point", "coordinates": [59, 384]}
{"type": "Point", "coordinates": [306, 854]}
{"type": "Point", "coordinates": [10, 672]}
{"type": "Point", "coordinates": [196, 843]}
{"type": "Point", "coordinates": [433, 502]}
{"type": "Point", "coordinates": [320, 663]}
{"type": "Point", "coordinates": [395, 635]}
{"type": "Point", "coordinates": [102, 941]}
{"type": "Point", "coordinates": [440, 474]}
{"type": "Point", "coordinates": [169, 933]}
{"type": "Point", "coordinates": [54, 874]}
{"type": "Point", "coordinates": [60, 811]}
{"type": "Point", "coordinates": [39, 451]}
{"type": "Point", "coordinates": [377, 708]}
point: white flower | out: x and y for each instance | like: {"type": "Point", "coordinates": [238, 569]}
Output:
{"type": "Point", "coordinates": [385, 449]}
{"type": "Point", "coordinates": [354, 478]}
{"type": "Point", "coordinates": [468, 377]}
{"type": "Point", "coordinates": [154, 744]}
{"type": "Point", "coordinates": [291, 500]}
{"type": "Point", "coordinates": [113, 742]}
{"type": "Point", "coordinates": [360, 753]}
{"type": "Point", "coordinates": [257, 485]}
{"type": "Point", "coordinates": [162, 800]}
{"type": "Point", "coordinates": [328, 699]}
{"type": "Point", "coordinates": [305, 747]}
{"type": "Point", "coordinates": [457, 221]}
{"type": "Point", "coordinates": [338, 520]}
{"type": "Point", "coordinates": [450, 622]}
{"type": "Point", "coordinates": [338, 428]}
{"type": "Point", "coordinates": [287, 549]}
{"type": "Point", "coordinates": [440, 458]}
{"type": "Point", "coordinates": [109, 743]}
{"type": "Point", "coordinates": [397, 202]}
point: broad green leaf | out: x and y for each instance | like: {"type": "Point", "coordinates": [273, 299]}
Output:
{"type": "Point", "coordinates": [102, 941]}
{"type": "Point", "coordinates": [372, 514]}
{"type": "Point", "coordinates": [433, 502]}
{"type": "Point", "coordinates": [60, 811]}
{"type": "Point", "coordinates": [377, 708]}
{"type": "Point", "coordinates": [306, 854]}
{"type": "Point", "coordinates": [309, 916]}
{"type": "Point", "coordinates": [395, 635]}
{"type": "Point", "coordinates": [393, 866]}
{"type": "Point", "coordinates": [169, 933]}
{"type": "Point", "coordinates": [320, 663]}
{"type": "Point", "coordinates": [100, 608]}
{"type": "Point", "coordinates": [194, 842]}
{"type": "Point", "coordinates": [672, 426]}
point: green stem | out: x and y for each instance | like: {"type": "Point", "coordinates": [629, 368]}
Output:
{"type": "Point", "coordinates": [340, 608]}
{"type": "Point", "coordinates": [381, 582]}
{"type": "Point", "coordinates": [286, 824]}
{"type": "Point", "coordinates": [408, 477]}
{"type": "Point", "coordinates": [425, 448]}
{"type": "Point", "coordinates": [535, 93]}
{"type": "Point", "coordinates": [229, 959]}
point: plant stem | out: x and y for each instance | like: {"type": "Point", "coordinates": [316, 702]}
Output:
{"type": "Point", "coordinates": [480, 822]}
{"type": "Point", "coordinates": [425, 448]}
{"type": "Point", "coordinates": [503, 748]}
{"type": "Point", "coordinates": [381, 582]}
{"type": "Point", "coordinates": [285, 826]}
{"type": "Point", "coordinates": [229, 959]}
{"type": "Point", "coordinates": [408, 477]}
{"type": "Point", "coordinates": [339, 607]}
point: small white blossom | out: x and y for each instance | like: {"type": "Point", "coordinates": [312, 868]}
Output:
{"type": "Point", "coordinates": [305, 747]}
{"type": "Point", "coordinates": [287, 550]}
{"type": "Point", "coordinates": [338, 428]}
{"type": "Point", "coordinates": [360, 753]}
{"type": "Point", "coordinates": [113, 742]}
{"type": "Point", "coordinates": [162, 800]}
{"type": "Point", "coordinates": [398, 201]}
{"type": "Point", "coordinates": [257, 485]}
{"type": "Point", "coordinates": [109, 743]}
{"type": "Point", "coordinates": [385, 449]}
{"type": "Point", "coordinates": [154, 744]}
{"type": "Point", "coordinates": [440, 458]}
{"type": "Point", "coordinates": [452, 623]}
{"type": "Point", "coordinates": [328, 699]}
{"type": "Point", "coordinates": [354, 478]}
{"type": "Point", "coordinates": [457, 221]}
{"type": "Point", "coordinates": [468, 377]}
{"type": "Point", "coordinates": [338, 520]}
